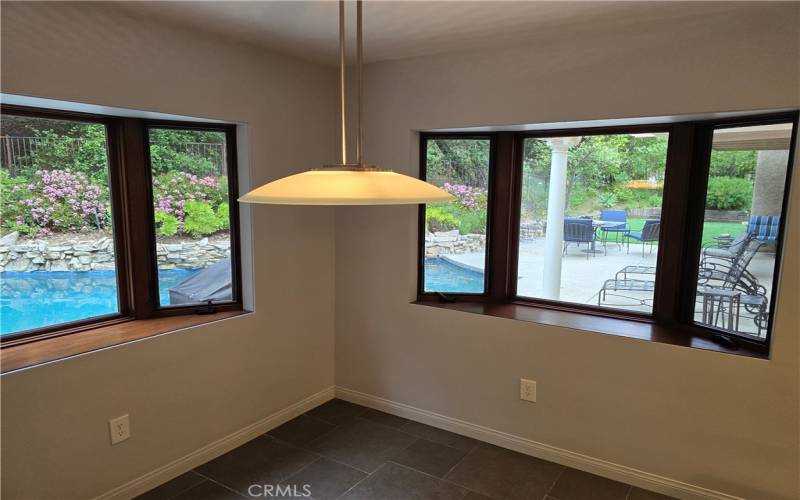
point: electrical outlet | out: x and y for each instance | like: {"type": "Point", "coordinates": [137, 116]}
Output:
{"type": "Point", "coordinates": [527, 390]}
{"type": "Point", "coordinates": [120, 429]}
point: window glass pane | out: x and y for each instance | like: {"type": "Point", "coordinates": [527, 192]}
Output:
{"type": "Point", "coordinates": [455, 232]}
{"type": "Point", "coordinates": [743, 209]}
{"type": "Point", "coordinates": [56, 251]}
{"type": "Point", "coordinates": [590, 219]}
{"type": "Point", "coordinates": [192, 216]}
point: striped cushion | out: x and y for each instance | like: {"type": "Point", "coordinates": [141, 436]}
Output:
{"type": "Point", "coordinates": [765, 227]}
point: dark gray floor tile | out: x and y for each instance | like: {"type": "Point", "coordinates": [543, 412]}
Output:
{"type": "Point", "coordinates": [475, 496]}
{"type": "Point", "coordinates": [439, 436]}
{"type": "Point", "coordinates": [301, 430]}
{"type": "Point", "coordinates": [382, 418]}
{"type": "Point", "coordinates": [502, 474]}
{"type": "Point", "coordinates": [429, 457]}
{"type": "Point", "coordinates": [324, 479]}
{"type": "Point", "coordinates": [395, 482]}
{"type": "Point", "coordinates": [337, 411]}
{"type": "Point", "coordinates": [261, 461]}
{"type": "Point", "coordinates": [172, 488]}
{"type": "Point", "coordinates": [640, 494]}
{"type": "Point", "coordinates": [362, 444]}
{"type": "Point", "coordinates": [578, 485]}
{"type": "Point", "coordinates": [208, 490]}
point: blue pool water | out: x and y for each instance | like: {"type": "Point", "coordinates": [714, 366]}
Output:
{"type": "Point", "coordinates": [442, 275]}
{"type": "Point", "coordinates": [37, 299]}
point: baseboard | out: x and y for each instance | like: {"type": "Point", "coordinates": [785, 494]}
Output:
{"type": "Point", "coordinates": [219, 447]}
{"type": "Point", "coordinates": [561, 456]}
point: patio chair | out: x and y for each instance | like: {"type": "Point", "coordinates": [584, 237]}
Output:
{"type": "Point", "coordinates": [728, 252]}
{"type": "Point", "coordinates": [727, 287]}
{"type": "Point", "coordinates": [648, 234]}
{"type": "Point", "coordinates": [578, 230]}
{"type": "Point", "coordinates": [622, 229]}
{"type": "Point", "coordinates": [765, 227]}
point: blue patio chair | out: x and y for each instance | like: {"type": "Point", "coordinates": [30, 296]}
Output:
{"type": "Point", "coordinates": [622, 229]}
{"type": "Point", "coordinates": [579, 230]}
{"type": "Point", "coordinates": [765, 227]}
{"type": "Point", "coordinates": [648, 234]}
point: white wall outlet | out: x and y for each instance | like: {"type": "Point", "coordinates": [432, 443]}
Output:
{"type": "Point", "coordinates": [120, 429]}
{"type": "Point", "coordinates": [527, 390]}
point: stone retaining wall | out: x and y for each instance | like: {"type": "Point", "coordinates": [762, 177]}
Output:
{"type": "Point", "coordinates": [98, 255]}
{"type": "Point", "coordinates": [451, 242]}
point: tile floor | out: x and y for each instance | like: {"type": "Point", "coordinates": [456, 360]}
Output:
{"type": "Point", "coordinates": [342, 450]}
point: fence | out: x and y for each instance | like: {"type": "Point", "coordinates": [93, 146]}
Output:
{"type": "Point", "coordinates": [19, 153]}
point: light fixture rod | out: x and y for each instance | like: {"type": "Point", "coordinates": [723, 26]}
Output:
{"type": "Point", "coordinates": [342, 99]}
{"type": "Point", "coordinates": [360, 63]}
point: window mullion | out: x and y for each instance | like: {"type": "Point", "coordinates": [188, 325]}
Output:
{"type": "Point", "coordinates": [139, 245]}
{"type": "Point", "coordinates": [501, 214]}
{"type": "Point", "coordinates": [674, 218]}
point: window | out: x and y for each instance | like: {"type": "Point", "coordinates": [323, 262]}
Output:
{"type": "Point", "coordinates": [57, 249]}
{"type": "Point", "coordinates": [678, 226]}
{"type": "Point", "coordinates": [742, 218]}
{"type": "Point", "coordinates": [601, 195]}
{"type": "Point", "coordinates": [75, 250]}
{"type": "Point", "coordinates": [455, 231]}
{"type": "Point", "coordinates": [192, 215]}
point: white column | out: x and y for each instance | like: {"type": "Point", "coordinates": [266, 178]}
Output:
{"type": "Point", "coordinates": [556, 201]}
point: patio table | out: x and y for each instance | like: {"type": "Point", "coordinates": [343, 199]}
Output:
{"type": "Point", "coordinates": [597, 224]}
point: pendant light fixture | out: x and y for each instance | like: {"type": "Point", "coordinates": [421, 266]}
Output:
{"type": "Point", "coordinates": [347, 183]}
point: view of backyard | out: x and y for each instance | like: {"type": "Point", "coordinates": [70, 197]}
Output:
{"type": "Point", "coordinates": [57, 255]}
{"type": "Point", "coordinates": [590, 221]}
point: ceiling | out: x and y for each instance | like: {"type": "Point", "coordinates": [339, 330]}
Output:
{"type": "Point", "coordinates": [400, 29]}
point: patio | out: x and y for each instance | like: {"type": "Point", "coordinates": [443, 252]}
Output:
{"type": "Point", "coordinates": [582, 278]}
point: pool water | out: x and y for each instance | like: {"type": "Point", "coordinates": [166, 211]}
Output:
{"type": "Point", "coordinates": [442, 275]}
{"type": "Point", "coordinates": [36, 299]}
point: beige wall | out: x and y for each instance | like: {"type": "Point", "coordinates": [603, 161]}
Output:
{"type": "Point", "coordinates": [719, 421]}
{"type": "Point", "coordinates": [186, 389]}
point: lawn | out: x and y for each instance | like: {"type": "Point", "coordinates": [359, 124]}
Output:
{"type": "Point", "coordinates": [710, 229]}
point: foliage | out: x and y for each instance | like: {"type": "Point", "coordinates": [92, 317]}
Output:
{"type": "Point", "coordinates": [170, 151]}
{"type": "Point", "coordinates": [729, 193]}
{"type": "Point", "coordinates": [439, 219]}
{"type": "Point", "coordinates": [166, 224]}
{"type": "Point", "coordinates": [464, 159]}
{"type": "Point", "coordinates": [200, 219]}
{"type": "Point", "coordinates": [54, 200]}
{"type": "Point", "coordinates": [223, 216]}
{"type": "Point", "coordinates": [607, 200]}
{"type": "Point", "coordinates": [81, 148]}
{"type": "Point", "coordinates": [733, 163]}
{"type": "Point", "coordinates": [174, 191]}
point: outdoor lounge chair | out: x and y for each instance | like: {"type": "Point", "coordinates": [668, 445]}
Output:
{"type": "Point", "coordinates": [622, 229]}
{"type": "Point", "coordinates": [765, 227]}
{"type": "Point", "coordinates": [579, 230]}
{"type": "Point", "coordinates": [725, 288]}
{"type": "Point", "coordinates": [648, 234]}
{"type": "Point", "coordinates": [730, 251]}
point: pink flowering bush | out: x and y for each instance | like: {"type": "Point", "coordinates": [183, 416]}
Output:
{"type": "Point", "coordinates": [467, 212]}
{"type": "Point", "coordinates": [471, 198]}
{"type": "Point", "coordinates": [181, 199]}
{"type": "Point", "coordinates": [54, 201]}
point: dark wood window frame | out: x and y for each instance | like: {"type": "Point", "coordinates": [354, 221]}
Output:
{"type": "Point", "coordinates": [683, 206]}
{"type": "Point", "coordinates": [133, 223]}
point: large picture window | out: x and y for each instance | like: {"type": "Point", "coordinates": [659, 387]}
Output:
{"type": "Point", "coordinates": [679, 226]}
{"type": "Point", "coordinates": [75, 249]}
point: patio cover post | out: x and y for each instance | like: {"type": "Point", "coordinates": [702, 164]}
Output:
{"type": "Point", "coordinates": [556, 204]}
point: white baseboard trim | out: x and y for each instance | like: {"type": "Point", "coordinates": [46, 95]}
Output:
{"type": "Point", "coordinates": [212, 450]}
{"type": "Point", "coordinates": [561, 456]}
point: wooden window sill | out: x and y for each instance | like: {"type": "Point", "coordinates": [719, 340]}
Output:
{"type": "Point", "coordinates": [641, 330]}
{"type": "Point", "coordinates": [34, 353]}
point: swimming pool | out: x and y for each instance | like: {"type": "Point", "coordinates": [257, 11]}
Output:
{"type": "Point", "coordinates": [36, 299]}
{"type": "Point", "coordinates": [442, 275]}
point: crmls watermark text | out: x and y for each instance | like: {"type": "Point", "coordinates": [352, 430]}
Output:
{"type": "Point", "coordinates": [272, 490]}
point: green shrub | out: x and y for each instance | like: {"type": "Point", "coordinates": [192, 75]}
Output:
{"type": "Point", "coordinates": [438, 219]}
{"type": "Point", "coordinates": [200, 219]}
{"type": "Point", "coordinates": [729, 193]}
{"type": "Point", "coordinates": [223, 216]}
{"type": "Point", "coordinates": [607, 200]}
{"type": "Point", "coordinates": [166, 224]}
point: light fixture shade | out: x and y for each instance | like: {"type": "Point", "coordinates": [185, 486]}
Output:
{"type": "Point", "coordinates": [346, 187]}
